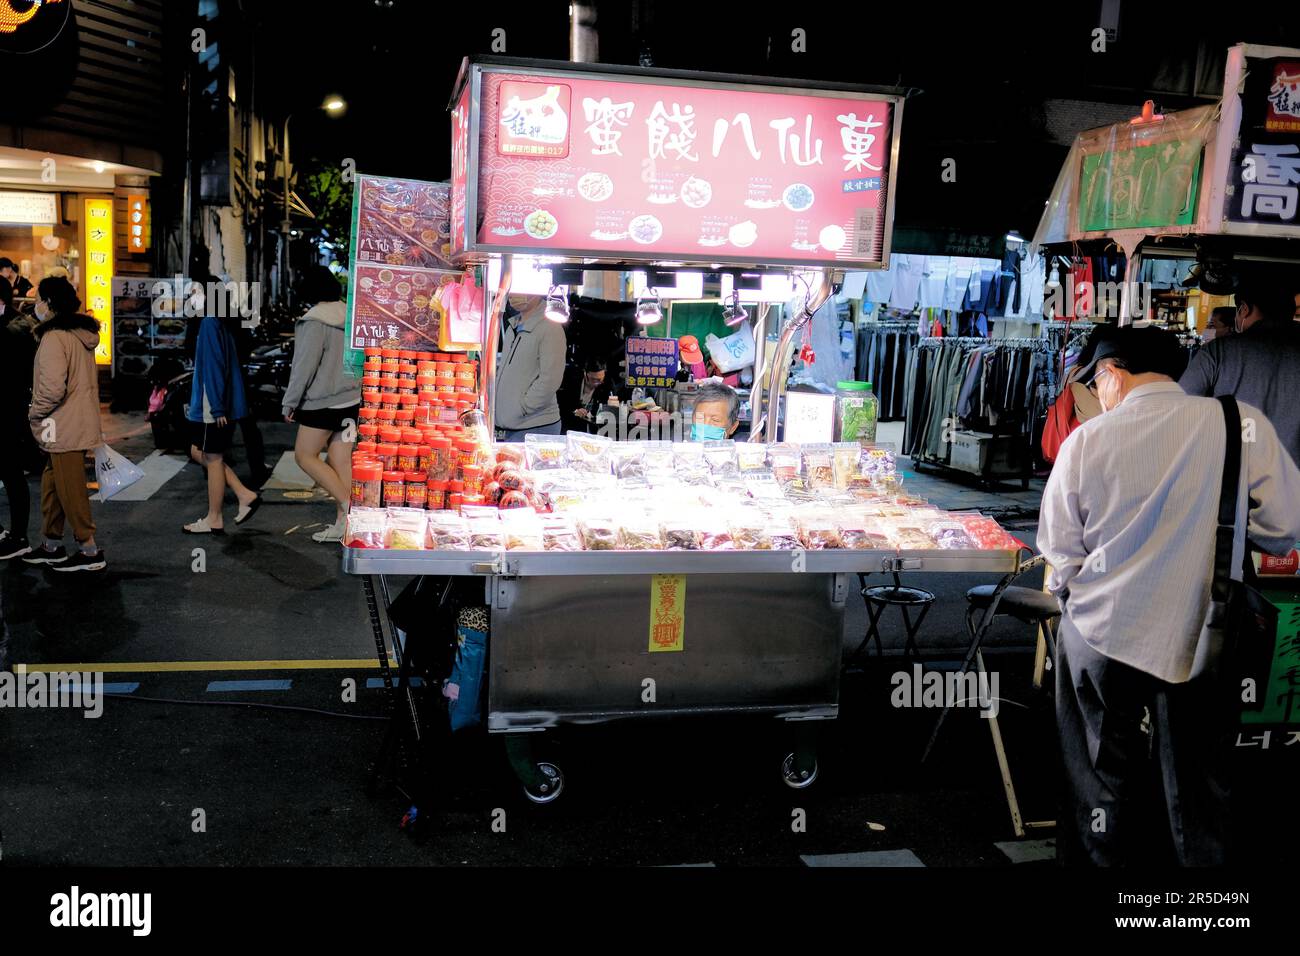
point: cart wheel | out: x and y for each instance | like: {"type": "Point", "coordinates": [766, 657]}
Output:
{"type": "Point", "coordinates": [793, 778]}
{"type": "Point", "coordinates": [549, 790]}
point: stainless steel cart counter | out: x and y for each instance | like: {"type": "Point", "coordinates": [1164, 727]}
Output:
{"type": "Point", "coordinates": [571, 638]}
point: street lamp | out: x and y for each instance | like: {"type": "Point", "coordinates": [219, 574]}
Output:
{"type": "Point", "coordinates": [334, 105]}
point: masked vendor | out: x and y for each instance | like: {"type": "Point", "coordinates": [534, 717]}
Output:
{"type": "Point", "coordinates": [717, 413]}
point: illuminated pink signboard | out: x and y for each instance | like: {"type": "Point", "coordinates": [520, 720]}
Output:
{"type": "Point", "coordinates": [639, 166]}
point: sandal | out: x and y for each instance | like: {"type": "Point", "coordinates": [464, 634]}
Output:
{"type": "Point", "coordinates": [247, 511]}
{"type": "Point", "coordinates": [201, 527]}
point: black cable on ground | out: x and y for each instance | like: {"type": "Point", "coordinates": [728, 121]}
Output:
{"type": "Point", "coordinates": [244, 703]}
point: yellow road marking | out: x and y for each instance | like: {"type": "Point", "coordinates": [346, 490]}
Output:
{"type": "Point", "coordinates": [127, 667]}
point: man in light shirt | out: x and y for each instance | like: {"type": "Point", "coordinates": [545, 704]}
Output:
{"type": "Point", "coordinates": [1128, 526]}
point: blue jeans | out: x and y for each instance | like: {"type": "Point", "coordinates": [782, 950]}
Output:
{"type": "Point", "coordinates": [508, 435]}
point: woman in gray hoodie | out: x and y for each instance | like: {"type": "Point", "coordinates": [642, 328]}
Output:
{"type": "Point", "coordinates": [323, 399]}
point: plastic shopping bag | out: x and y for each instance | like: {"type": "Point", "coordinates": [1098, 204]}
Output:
{"type": "Point", "coordinates": [114, 472]}
{"type": "Point", "coordinates": [734, 352]}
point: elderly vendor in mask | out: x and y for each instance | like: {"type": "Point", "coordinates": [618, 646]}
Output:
{"type": "Point", "coordinates": [716, 414]}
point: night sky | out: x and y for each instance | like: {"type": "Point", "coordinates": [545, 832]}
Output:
{"type": "Point", "coordinates": [979, 75]}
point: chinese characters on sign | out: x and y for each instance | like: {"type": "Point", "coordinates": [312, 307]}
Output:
{"type": "Point", "coordinates": [651, 362]}
{"type": "Point", "coordinates": [601, 166]}
{"type": "Point", "coordinates": [97, 226]}
{"type": "Point", "coordinates": [137, 223]}
{"type": "Point", "coordinates": [1284, 98]}
{"type": "Point", "coordinates": [667, 612]}
{"type": "Point", "coordinates": [534, 119]}
{"type": "Point", "coordinates": [1263, 186]}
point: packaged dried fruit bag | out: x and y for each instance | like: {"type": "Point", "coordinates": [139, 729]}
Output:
{"type": "Point", "coordinates": [681, 532]}
{"type": "Point", "coordinates": [639, 532]}
{"type": "Point", "coordinates": [817, 529]}
{"type": "Point", "coordinates": [847, 459]}
{"type": "Point", "coordinates": [749, 532]}
{"type": "Point", "coordinates": [819, 465]}
{"type": "Point", "coordinates": [628, 460]}
{"type": "Point", "coordinates": [950, 535]}
{"type": "Point", "coordinates": [785, 461]}
{"type": "Point", "coordinates": [545, 452]}
{"type": "Point", "coordinates": [589, 453]}
{"type": "Point", "coordinates": [720, 457]}
{"type": "Point", "coordinates": [448, 532]}
{"type": "Point", "coordinates": [560, 534]}
{"type": "Point", "coordinates": [522, 530]}
{"type": "Point", "coordinates": [406, 530]}
{"type": "Point", "coordinates": [751, 458]}
{"type": "Point", "coordinates": [485, 532]}
{"type": "Point", "coordinates": [599, 532]}
{"type": "Point", "coordinates": [783, 533]}
{"type": "Point", "coordinates": [366, 527]}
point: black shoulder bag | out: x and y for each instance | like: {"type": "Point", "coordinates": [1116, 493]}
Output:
{"type": "Point", "coordinates": [1237, 637]}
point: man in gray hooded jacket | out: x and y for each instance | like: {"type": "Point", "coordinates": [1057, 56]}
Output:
{"type": "Point", "coordinates": [530, 369]}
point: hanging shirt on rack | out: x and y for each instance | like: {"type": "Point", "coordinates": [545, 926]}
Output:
{"type": "Point", "coordinates": [933, 280]}
{"type": "Point", "coordinates": [954, 288]}
{"type": "Point", "coordinates": [880, 283]}
{"type": "Point", "coordinates": [907, 281]}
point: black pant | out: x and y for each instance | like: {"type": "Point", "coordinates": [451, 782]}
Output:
{"type": "Point", "coordinates": [18, 443]}
{"type": "Point", "coordinates": [255, 449]}
{"type": "Point", "coordinates": [1145, 763]}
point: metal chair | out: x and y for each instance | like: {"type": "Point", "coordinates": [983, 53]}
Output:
{"type": "Point", "coordinates": [1031, 606]}
{"type": "Point", "coordinates": [896, 595]}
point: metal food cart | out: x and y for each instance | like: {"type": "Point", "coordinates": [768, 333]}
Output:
{"type": "Point", "coordinates": [764, 635]}
{"type": "Point", "coordinates": [762, 632]}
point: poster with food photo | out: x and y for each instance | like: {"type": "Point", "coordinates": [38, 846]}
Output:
{"type": "Point", "coordinates": [396, 308]}
{"type": "Point", "coordinates": [403, 222]}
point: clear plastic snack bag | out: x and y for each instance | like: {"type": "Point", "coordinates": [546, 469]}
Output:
{"type": "Point", "coordinates": [407, 529]}
{"type": "Point", "coordinates": [560, 533]}
{"type": "Point", "coordinates": [448, 531]}
{"type": "Point", "coordinates": [599, 532]}
{"type": "Point", "coordinates": [485, 532]}
{"type": "Point", "coordinates": [818, 530]}
{"type": "Point", "coordinates": [545, 452]}
{"type": "Point", "coordinates": [589, 453]}
{"type": "Point", "coordinates": [819, 465]}
{"type": "Point", "coordinates": [751, 458]}
{"type": "Point", "coordinates": [628, 460]}
{"type": "Point", "coordinates": [522, 529]}
{"type": "Point", "coordinates": [682, 532]}
{"type": "Point", "coordinates": [366, 528]}
{"type": "Point", "coordinates": [847, 459]}
{"type": "Point", "coordinates": [720, 456]}
{"type": "Point", "coordinates": [639, 531]}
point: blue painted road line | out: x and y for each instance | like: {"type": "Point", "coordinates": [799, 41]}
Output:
{"type": "Point", "coordinates": [122, 688]}
{"type": "Point", "coordinates": [225, 686]}
{"type": "Point", "coordinates": [375, 683]}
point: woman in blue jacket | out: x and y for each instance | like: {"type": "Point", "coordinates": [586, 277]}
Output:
{"type": "Point", "coordinates": [216, 405]}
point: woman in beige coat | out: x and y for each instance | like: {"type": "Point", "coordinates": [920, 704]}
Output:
{"type": "Point", "coordinates": [64, 417]}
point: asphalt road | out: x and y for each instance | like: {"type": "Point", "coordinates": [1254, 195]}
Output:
{"type": "Point", "coordinates": [274, 770]}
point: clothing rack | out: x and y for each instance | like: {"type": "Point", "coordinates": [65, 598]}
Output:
{"type": "Point", "coordinates": [974, 404]}
{"type": "Point", "coordinates": [882, 350]}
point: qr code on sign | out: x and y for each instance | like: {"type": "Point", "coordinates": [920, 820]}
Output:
{"type": "Point", "coordinates": [864, 233]}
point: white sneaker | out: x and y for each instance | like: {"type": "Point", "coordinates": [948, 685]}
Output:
{"type": "Point", "coordinates": [331, 534]}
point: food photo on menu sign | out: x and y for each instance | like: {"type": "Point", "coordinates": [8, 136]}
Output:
{"type": "Point", "coordinates": [404, 222]}
{"type": "Point", "coordinates": [397, 308]}
{"type": "Point", "coordinates": [605, 166]}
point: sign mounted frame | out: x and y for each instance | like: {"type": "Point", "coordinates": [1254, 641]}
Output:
{"type": "Point", "coordinates": [484, 76]}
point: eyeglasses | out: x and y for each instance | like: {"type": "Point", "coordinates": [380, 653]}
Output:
{"type": "Point", "coordinates": [1092, 386]}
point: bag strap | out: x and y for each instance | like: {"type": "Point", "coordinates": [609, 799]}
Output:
{"type": "Point", "coordinates": [1225, 535]}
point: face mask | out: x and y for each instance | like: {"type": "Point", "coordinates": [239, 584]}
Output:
{"type": "Point", "coordinates": [42, 310]}
{"type": "Point", "coordinates": [701, 432]}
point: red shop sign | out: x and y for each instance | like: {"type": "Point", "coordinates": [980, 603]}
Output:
{"type": "Point", "coordinates": [645, 166]}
